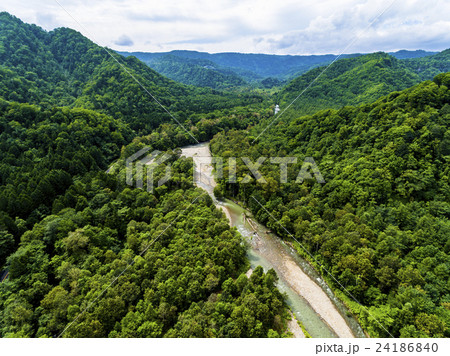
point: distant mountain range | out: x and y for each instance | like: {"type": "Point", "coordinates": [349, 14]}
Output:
{"type": "Point", "coordinates": [207, 70]}
{"type": "Point", "coordinates": [64, 68]}
{"type": "Point", "coordinates": [359, 80]}
{"type": "Point", "coordinates": [68, 110]}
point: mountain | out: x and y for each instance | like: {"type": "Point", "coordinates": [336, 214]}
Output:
{"type": "Point", "coordinates": [253, 68]}
{"type": "Point", "coordinates": [380, 222]}
{"type": "Point", "coordinates": [62, 67]}
{"type": "Point", "coordinates": [430, 66]}
{"type": "Point", "coordinates": [68, 229]}
{"type": "Point", "coordinates": [350, 81]}
{"type": "Point", "coordinates": [404, 54]}
{"type": "Point", "coordinates": [261, 65]}
{"type": "Point", "coordinates": [198, 72]}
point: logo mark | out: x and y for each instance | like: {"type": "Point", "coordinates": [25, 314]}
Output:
{"type": "Point", "coordinates": [149, 162]}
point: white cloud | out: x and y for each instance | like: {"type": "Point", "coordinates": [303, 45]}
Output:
{"type": "Point", "coordinates": [263, 26]}
{"type": "Point", "coordinates": [124, 41]}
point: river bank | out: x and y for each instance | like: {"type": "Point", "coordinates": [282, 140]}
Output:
{"type": "Point", "coordinates": [307, 299]}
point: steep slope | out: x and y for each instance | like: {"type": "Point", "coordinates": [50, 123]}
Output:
{"type": "Point", "coordinates": [198, 72]}
{"type": "Point", "coordinates": [65, 68]}
{"type": "Point", "coordinates": [347, 82]}
{"type": "Point", "coordinates": [431, 66]}
{"type": "Point", "coordinates": [111, 90]}
{"type": "Point", "coordinates": [380, 223]}
{"type": "Point", "coordinates": [42, 152]}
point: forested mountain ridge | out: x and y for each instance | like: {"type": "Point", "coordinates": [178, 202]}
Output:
{"type": "Point", "coordinates": [404, 54]}
{"type": "Point", "coordinates": [430, 66]}
{"type": "Point", "coordinates": [250, 66]}
{"type": "Point", "coordinates": [67, 229]}
{"type": "Point", "coordinates": [257, 67]}
{"type": "Point", "coordinates": [198, 72]}
{"type": "Point", "coordinates": [380, 223]}
{"type": "Point", "coordinates": [351, 81]}
{"type": "Point", "coordinates": [62, 67]}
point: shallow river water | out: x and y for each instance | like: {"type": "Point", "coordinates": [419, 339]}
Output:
{"type": "Point", "coordinates": [308, 296]}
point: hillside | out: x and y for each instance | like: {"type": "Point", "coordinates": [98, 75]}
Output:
{"type": "Point", "coordinates": [347, 82]}
{"type": "Point", "coordinates": [430, 66]}
{"type": "Point", "coordinates": [253, 68]}
{"type": "Point", "coordinates": [380, 223]}
{"type": "Point", "coordinates": [42, 152]}
{"type": "Point", "coordinates": [360, 80]}
{"type": "Point", "coordinates": [198, 72]}
{"type": "Point", "coordinates": [62, 67]}
{"type": "Point", "coordinates": [67, 229]}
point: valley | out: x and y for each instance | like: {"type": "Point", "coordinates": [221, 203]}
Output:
{"type": "Point", "coordinates": [313, 307]}
{"type": "Point", "coordinates": [85, 254]}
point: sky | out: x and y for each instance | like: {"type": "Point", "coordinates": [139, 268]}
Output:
{"type": "Point", "coordinates": [296, 27]}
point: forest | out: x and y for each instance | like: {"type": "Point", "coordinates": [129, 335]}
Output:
{"type": "Point", "coordinates": [68, 229]}
{"type": "Point", "coordinates": [359, 80]}
{"type": "Point", "coordinates": [89, 256]}
{"type": "Point", "coordinates": [201, 73]}
{"type": "Point", "coordinates": [253, 69]}
{"type": "Point", "coordinates": [380, 224]}
{"type": "Point", "coordinates": [64, 68]}
{"type": "Point", "coordinates": [185, 273]}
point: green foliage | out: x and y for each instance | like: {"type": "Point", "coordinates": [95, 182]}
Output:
{"type": "Point", "coordinates": [246, 307]}
{"type": "Point", "coordinates": [201, 73]}
{"type": "Point", "coordinates": [251, 67]}
{"type": "Point", "coordinates": [351, 81]}
{"type": "Point", "coordinates": [42, 151]}
{"type": "Point", "coordinates": [64, 68]}
{"type": "Point", "coordinates": [170, 258]}
{"type": "Point", "coordinates": [431, 66]}
{"type": "Point", "coordinates": [380, 224]}
{"type": "Point", "coordinates": [267, 70]}
{"type": "Point", "coordinates": [67, 230]}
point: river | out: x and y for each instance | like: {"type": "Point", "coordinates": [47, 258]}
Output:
{"type": "Point", "coordinates": [308, 296]}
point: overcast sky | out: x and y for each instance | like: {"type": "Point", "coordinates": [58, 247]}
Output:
{"type": "Point", "coordinates": [251, 26]}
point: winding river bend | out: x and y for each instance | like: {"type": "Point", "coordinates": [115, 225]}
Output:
{"type": "Point", "coordinates": [308, 296]}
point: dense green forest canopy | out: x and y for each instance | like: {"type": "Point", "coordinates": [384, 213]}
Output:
{"type": "Point", "coordinates": [58, 215]}
{"type": "Point", "coordinates": [357, 81]}
{"type": "Point", "coordinates": [431, 66]}
{"type": "Point", "coordinates": [68, 110]}
{"type": "Point", "coordinates": [198, 72]}
{"type": "Point", "coordinates": [64, 68]}
{"type": "Point", "coordinates": [184, 277]}
{"type": "Point", "coordinates": [68, 229]}
{"type": "Point", "coordinates": [251, 67]}
{"type": "Point", "coordinates": [42, 151]}
{"type": "Point", "coordinates": [380, 224]}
